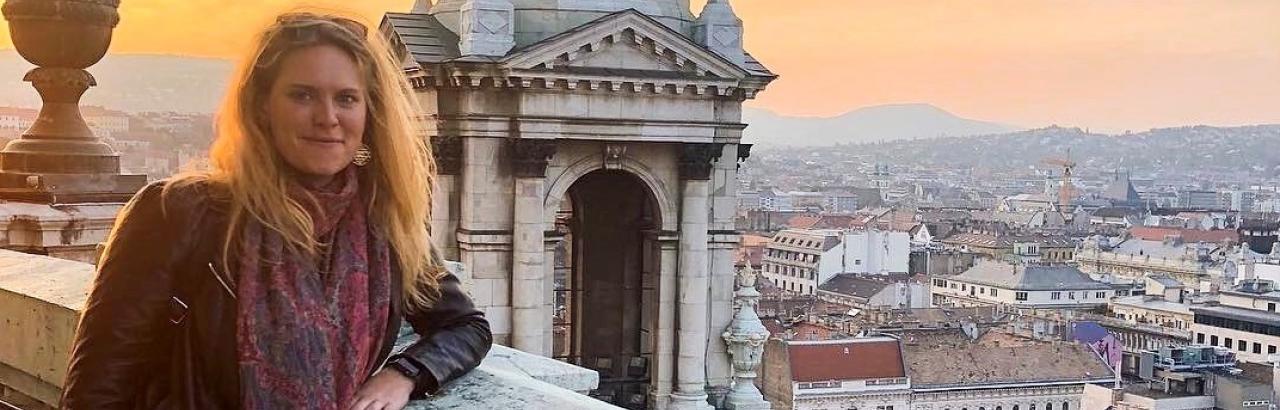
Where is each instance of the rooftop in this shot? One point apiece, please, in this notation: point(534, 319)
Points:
point(974, 365)
point(861, 286)
point(1231, 312)
point(849, 359)
point(1153, 303)
point(1028, 277)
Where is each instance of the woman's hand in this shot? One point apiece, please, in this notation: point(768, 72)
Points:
point(387, 390)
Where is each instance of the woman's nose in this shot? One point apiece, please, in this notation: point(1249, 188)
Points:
point(327, 114)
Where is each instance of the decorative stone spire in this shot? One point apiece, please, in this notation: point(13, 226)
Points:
point(720, 30)
point(421, 7)
point(487, 27)
point(745, 338)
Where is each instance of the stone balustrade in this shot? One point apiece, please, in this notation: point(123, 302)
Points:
point(40, 303)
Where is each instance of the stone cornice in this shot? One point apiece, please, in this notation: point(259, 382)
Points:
point(487, 78)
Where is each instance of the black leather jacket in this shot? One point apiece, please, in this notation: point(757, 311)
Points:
point(158, 330)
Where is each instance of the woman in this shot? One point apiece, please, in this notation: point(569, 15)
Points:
point(280, 277)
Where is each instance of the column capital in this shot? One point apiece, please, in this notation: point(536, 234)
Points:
point(696, 158)
point(529, 157)
point(447, 151)
point(744, 151)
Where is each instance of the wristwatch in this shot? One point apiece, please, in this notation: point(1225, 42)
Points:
point(406, 367)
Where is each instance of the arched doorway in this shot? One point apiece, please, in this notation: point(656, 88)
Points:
point(606, 271)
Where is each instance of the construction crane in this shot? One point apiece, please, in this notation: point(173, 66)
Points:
point(1065, 192)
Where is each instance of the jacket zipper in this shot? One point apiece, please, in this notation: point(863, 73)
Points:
point(222, 282)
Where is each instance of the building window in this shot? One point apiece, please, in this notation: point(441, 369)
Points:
point(1071, 295)
point(964, 287)
point(1101, 295)
point(1022, 296)
point(1066, 406)
point(953, 286)
point(1200, 338)
point(1048, 406)
point(1054, 296)
point(993, 292)
point(1227, 342)
point(1271, 307)
point(1213, 340)
point(982, 291)
point(1257, 348)
point(857, 262)
point(1242, 346)
point(1271, 349)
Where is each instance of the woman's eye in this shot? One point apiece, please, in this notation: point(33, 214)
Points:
point(348, 99)
point(300, 95)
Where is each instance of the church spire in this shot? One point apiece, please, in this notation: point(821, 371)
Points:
point(720, 30)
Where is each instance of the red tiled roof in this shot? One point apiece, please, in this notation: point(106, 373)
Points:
point(1188, 235)
point(802, 221)
point(845, 360)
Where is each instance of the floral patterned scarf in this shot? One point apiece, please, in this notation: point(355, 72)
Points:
point(308, 330)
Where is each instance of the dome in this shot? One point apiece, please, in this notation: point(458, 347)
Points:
point(538, 19)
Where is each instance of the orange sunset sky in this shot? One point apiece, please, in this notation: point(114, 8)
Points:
point(1106, 64)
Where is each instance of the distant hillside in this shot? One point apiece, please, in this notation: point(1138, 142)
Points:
point(869, 124)
point(132, 83)
point(1246, 149)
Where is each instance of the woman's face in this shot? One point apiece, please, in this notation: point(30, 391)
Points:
point(316, 111)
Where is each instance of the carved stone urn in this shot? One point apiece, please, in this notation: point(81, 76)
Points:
point(59, 155)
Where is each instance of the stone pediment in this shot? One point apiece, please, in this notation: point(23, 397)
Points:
point(625, 42)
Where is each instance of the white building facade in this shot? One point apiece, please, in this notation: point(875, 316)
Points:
point(587, 156)
point(799, 260)
point(1020, 286)
point(1245, 320)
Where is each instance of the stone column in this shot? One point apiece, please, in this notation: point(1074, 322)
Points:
point(551, 240)
point(528, 275)
point(665, 349)
point(447, 151)
point(691, 372)
point(485, 230)
point(723, 244)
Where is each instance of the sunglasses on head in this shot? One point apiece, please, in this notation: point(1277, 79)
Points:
point(308, 19)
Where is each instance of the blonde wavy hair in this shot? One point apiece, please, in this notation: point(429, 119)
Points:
point(244, 160)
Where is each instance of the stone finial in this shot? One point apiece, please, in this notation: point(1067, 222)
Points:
point(745, 339)
point(720, 30)
point(487, 27)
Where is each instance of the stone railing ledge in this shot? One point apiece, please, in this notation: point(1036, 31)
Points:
point(507, 380)
point(41, 299)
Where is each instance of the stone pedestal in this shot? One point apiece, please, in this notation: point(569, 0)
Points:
point(61, 186)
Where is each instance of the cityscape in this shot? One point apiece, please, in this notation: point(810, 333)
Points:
point(640, 234)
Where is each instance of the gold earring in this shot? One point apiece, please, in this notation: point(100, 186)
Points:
point(363, 156)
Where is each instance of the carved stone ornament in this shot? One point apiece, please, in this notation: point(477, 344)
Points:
point(529, 157)
point(696, 159)
point(447, 151)
point(613, 154)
